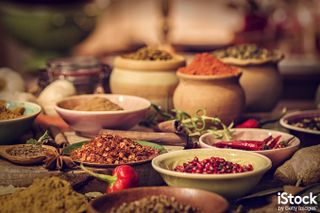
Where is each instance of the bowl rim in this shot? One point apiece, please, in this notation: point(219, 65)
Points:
point(125, 111)
point(210, 176)
point(33, 105)
point(223, 200)
point(284, 121)
point(293, 145)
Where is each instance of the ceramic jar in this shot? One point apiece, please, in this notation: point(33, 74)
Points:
point(262, 85)
point(261, 81)
point(220, 96)
point(153, 80)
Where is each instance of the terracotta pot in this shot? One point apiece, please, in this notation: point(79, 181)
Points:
point(153, 80)
point(220, 96)
point(261, 81)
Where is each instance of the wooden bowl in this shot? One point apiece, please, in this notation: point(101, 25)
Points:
point(207, 202)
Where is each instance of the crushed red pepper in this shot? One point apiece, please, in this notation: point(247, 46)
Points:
point(113, 149)
point(206, 64)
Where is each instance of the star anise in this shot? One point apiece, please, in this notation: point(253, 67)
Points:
point(57, 161)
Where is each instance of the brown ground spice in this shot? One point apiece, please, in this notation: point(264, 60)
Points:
point(206, 64)
point(6, 114)
point(50, 195)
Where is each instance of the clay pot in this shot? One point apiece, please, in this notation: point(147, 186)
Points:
point(153, 80)
point(220, 96)
point(261, 81)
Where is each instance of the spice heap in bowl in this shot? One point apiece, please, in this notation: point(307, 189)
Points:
point(214, 87)
point(230, 173)
point(148, 67)
point(7, 114)
point(113, 150)
point(88, 114)
point(16, 117)
point(261, 79)
point(158, 200)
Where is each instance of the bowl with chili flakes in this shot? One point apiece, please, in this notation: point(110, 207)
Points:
point(107, 150)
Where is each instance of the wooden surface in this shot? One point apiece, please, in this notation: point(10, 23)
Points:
point(16, 175)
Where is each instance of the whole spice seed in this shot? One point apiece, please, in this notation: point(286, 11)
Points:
point(112, 149)
point(50, 195)
point(213, 165)
point(245, 51)
point(27, 151)
point(149, 54)
point(155, 204)
point(206, 64)
point(312, 123)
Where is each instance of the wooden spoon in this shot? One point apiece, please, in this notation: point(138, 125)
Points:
point(4, 153)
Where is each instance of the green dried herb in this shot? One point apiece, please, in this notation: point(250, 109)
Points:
point(41, 140)
point(149, 54)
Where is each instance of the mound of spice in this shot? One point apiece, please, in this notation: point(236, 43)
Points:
point(149, 54)
point(27, 151)
point(206, 64)
point(6, 114)
point(112, 149)
point(97, 104)
point(51, 195)
point(155, 204)
point(245, 51)
point(213, 165)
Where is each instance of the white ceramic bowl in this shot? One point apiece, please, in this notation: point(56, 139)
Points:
point(277, 156)
point(227, 185)
point(91, 122)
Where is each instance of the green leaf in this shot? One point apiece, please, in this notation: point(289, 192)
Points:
point(31, 141)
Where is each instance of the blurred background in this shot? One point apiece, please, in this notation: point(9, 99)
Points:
point(33, 31)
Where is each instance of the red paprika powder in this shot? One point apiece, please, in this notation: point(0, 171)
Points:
point(206, 64)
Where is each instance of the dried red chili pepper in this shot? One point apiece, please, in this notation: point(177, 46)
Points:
point(271, 144)
point(123, 177)
point(250, 123)
point(241, 144)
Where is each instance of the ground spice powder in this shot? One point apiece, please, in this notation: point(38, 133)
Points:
point(206, 64)
point(50, 195)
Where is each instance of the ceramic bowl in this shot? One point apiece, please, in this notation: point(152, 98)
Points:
point(227, 185)
point(308, 137)
point(277, 156)
point(91, 122)
point(13, 129)
point(205, 201)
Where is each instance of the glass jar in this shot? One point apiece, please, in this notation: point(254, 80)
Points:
point(86, 73)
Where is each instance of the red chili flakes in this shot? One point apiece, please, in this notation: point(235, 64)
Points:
point(112, 149)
